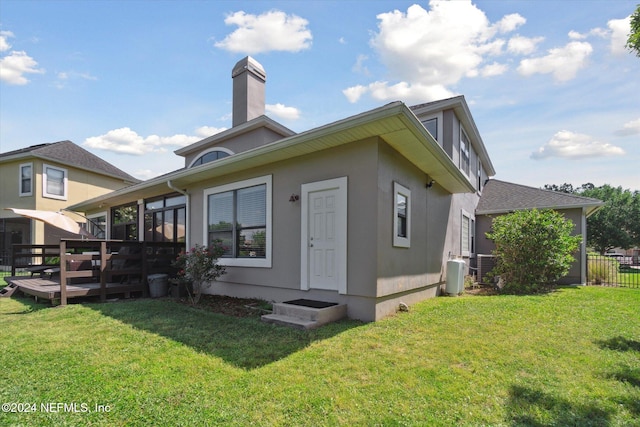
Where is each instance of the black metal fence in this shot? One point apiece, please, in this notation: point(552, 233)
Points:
point(623, 271)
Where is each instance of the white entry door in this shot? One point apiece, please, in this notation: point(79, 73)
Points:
point(324, 232)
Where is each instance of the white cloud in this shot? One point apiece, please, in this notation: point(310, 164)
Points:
point(63, 77)
point(494, 69)
point(145, 174)
point(270, 31)
point(574, 35)
point(630, 128)
point(571, 145)
point(521, 45)
point(4, 44)
point(510, 22)
point(127, 141)
point(563, 62)
point(620, 29)
point(354, 93)
point(429, 51)
point(359, 66)
point(407, 92)
point(207, 131)
point(14, 66)
point(283, 112)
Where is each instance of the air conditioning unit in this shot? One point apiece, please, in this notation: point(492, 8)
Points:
point(485, 265)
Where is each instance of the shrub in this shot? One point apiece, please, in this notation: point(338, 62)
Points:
point(198, 267)
point(534, 248)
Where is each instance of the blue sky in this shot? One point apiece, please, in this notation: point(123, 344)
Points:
point(553, 91)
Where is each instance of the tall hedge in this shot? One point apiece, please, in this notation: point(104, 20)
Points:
point(534, 248)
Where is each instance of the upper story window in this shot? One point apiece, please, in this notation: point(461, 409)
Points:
point(54, 182)
point(432, 127)
point(26, 179)
point(465, 145)
point(211, 155)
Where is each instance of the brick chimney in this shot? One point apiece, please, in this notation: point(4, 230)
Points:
point(248, 90)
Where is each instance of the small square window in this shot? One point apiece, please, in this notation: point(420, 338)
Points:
point(401, 216)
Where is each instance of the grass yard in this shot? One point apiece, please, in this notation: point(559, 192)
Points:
point(568, 358)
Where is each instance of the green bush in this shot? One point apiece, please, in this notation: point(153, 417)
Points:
point(534, 248)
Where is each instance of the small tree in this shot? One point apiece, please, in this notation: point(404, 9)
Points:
point(633, 41)
point(198, 268)
point(534, 248)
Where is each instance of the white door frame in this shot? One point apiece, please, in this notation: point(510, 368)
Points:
point(339, 184)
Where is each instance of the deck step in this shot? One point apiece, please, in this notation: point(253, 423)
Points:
point(305, 314)
point(8, 290)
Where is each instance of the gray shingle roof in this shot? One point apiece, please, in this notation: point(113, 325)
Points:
point(500, 197)
point(68, 153)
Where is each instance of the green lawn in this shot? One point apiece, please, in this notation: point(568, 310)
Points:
point(568, 358)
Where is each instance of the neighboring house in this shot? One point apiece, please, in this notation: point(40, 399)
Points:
point(50, 177)
point(500, 198)
point(363, 211)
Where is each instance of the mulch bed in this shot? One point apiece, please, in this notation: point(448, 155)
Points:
point(230, 306)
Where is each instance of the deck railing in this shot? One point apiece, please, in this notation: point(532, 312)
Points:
point(100, 261)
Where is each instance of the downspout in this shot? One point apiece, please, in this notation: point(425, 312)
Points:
point(187, 214)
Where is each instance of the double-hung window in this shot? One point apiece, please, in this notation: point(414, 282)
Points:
point(26, 179)
point(239, 215)
point(54, 182)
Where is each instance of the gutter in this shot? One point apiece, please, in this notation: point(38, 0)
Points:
point(187, 238)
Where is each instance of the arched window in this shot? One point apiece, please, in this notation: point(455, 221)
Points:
point(211, 155)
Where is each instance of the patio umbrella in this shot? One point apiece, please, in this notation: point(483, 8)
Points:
point(56, 219)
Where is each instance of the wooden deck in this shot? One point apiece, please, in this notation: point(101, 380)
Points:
point(46, 288)
point(82, 268)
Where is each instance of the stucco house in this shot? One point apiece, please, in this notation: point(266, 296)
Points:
point(50, 177)
point(500, 198)
point(364, 211)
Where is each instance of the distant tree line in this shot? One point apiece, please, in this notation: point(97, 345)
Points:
point(614, 225)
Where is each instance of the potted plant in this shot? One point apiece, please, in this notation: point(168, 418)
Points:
point(198, 267)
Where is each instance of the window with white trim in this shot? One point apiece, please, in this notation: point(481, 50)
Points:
point(54, 182)
point(465, 145)
point(239, 214)
point(26, 179)
point(467, 234)
point(401, 216)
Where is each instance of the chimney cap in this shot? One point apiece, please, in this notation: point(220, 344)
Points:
point(251, 65)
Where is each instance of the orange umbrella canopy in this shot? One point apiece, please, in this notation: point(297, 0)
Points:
point(55, 219)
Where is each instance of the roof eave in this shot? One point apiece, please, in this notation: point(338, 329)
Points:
point(394, 123)
point(590, 208)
